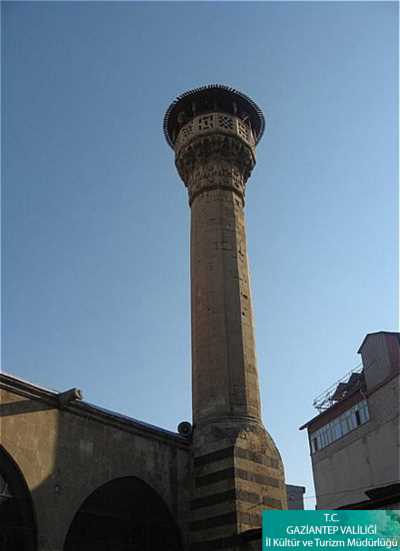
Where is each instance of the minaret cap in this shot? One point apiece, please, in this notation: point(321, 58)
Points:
point(214, 97)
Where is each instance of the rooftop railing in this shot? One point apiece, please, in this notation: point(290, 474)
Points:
point(339, 390)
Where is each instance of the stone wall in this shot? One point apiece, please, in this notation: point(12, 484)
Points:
point(66, 454)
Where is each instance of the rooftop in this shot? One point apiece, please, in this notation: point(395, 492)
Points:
point(80, 407)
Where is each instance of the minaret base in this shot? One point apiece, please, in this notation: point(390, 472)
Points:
point(238, 473)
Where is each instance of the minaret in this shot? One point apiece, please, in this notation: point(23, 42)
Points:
point(237, 469)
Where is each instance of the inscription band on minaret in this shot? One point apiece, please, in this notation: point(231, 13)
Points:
point(238, 471)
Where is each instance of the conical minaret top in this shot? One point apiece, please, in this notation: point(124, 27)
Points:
point(213, 131)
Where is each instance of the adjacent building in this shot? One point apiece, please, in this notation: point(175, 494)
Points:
point(354, 440)
point(295, 496)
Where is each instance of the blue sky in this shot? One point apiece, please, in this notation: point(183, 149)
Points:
point(95, 219)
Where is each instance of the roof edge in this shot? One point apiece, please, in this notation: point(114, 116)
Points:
point(80, 407)
point(393, 333)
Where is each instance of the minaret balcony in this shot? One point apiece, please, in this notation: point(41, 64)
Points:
point(211, 123)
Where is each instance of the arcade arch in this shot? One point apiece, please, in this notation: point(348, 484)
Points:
point(123, 514)
point(18, 526)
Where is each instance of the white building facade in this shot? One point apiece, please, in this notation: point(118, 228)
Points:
point(354, 441)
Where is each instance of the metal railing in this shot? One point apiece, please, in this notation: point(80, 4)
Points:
point(326, 399)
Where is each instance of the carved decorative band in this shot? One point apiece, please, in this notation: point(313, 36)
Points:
point(215, 161)
point(214, 122)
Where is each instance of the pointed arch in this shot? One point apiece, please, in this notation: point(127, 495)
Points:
point(124, 513)
point(18, 524)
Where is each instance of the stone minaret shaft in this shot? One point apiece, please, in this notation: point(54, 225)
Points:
point(237, 469)
point(225, 381)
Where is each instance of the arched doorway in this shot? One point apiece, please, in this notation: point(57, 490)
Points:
point(124, 514)
point(17, 522)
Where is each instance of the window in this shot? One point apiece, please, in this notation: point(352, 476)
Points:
point(339, 427)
